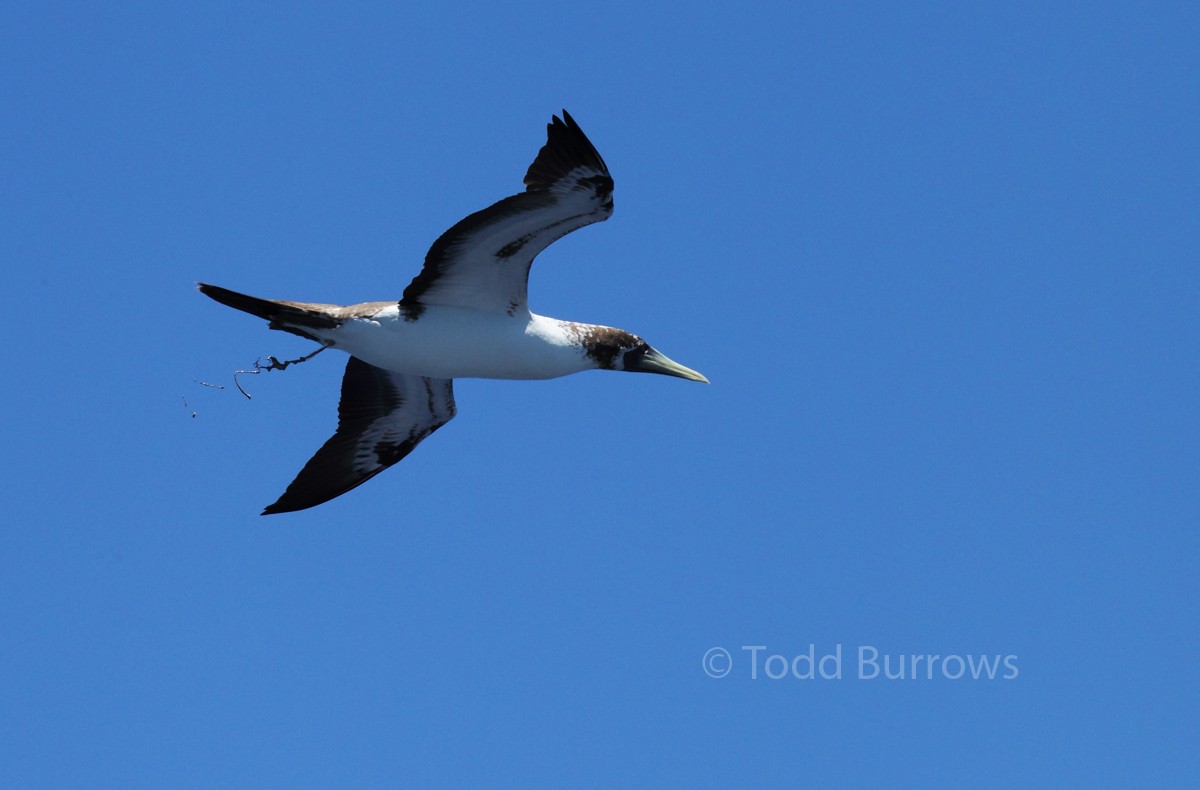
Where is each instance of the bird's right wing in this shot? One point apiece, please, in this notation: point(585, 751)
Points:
point(483, 261)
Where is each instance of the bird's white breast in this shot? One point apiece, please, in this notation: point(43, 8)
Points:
point(455, 342)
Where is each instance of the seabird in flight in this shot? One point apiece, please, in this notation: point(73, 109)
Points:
point(465, 315)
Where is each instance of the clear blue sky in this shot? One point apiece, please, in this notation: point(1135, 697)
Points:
point(938, 259)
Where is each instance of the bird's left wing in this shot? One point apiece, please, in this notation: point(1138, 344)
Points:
point(483, 261)
point(382, 416)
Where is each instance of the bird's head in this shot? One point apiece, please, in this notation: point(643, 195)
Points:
point(616, 349)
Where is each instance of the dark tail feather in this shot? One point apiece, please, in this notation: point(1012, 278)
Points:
point(292, 317)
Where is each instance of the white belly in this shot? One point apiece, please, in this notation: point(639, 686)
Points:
point(451, 342)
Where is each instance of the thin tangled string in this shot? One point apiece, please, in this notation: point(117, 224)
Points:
point(273, 363)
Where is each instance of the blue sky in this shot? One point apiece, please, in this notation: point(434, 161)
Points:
point(939, 261)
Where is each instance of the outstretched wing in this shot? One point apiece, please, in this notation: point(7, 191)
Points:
point(483, 261)
point(382, 416)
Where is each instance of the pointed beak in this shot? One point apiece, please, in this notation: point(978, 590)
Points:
point(654, 362)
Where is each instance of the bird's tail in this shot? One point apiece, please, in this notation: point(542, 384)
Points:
point(299, 318)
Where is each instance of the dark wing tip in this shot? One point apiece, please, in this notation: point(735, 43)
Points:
point(566, 148)
point(292, 502)
point(323, 478)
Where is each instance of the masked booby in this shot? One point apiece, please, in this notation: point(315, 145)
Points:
point(466, 315)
